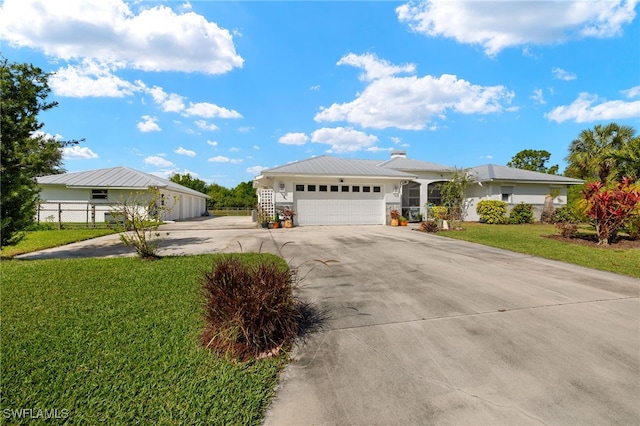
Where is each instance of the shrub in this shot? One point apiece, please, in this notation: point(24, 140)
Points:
point(492, 211)
point(567, 229)
point(564, 214)
point(608, 208)
point(429, 226)
point(439, 212)
point(250, 308)
point(521, 213)
point(632, 225)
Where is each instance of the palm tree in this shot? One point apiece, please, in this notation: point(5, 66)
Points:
point(592, 154)
point(628, 161)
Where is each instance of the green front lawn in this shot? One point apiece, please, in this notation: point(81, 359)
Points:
point(115, 341)
point(528, 239)
point(40, 240)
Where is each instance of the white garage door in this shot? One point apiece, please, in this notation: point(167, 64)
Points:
point(339, 205)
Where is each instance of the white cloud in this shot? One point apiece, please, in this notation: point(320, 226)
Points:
point(209, 110)
point(234, 149)
point(412, 102)
point(396, 140)
point(148, 124)
point(583, 110)
point(158, 161)
point(183, 151)
point(213, 143)
point(315, 88)
point(538, 97)
point(206, 126)
point(373, 67)
point(634, 92)
point(343, 139)
point(223, 159)
point(169, 102)
point(78, 153)
point(256, 147)
point(155, 39)
point(245, 129)
point(256, 170)
point(499, 25)
point(294, 139)
point(378, 149)
point(91, 79)
point(560, 74)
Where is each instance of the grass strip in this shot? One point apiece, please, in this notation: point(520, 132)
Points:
point(40, 240)
point(115, 341)
point(529, 239)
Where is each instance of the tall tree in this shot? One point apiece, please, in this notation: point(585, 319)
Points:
point(534, 160)
point(189, 181)
point(628, 160)
point(26, 152)
point(592, 156)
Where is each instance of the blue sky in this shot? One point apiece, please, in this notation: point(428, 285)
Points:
point(223, 90)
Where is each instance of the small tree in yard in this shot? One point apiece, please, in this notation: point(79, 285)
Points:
point(608, 208)
point(141, 214)
point(452, 193)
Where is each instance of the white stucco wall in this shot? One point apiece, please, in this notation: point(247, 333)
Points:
point(77, 201)
point(529, 193)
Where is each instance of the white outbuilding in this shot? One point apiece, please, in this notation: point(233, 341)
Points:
point(88, 196)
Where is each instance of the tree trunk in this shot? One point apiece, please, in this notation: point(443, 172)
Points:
point(547, 210)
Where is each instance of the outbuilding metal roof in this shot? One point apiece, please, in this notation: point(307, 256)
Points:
point(115, 177)
point(328, 165)
point(490, 172)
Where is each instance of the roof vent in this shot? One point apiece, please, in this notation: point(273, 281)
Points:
point(398, 153)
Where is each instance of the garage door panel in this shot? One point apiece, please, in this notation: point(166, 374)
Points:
point(339, 208)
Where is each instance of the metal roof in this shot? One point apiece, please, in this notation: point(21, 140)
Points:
point(328, 165)
point(115, 177)
point(490, 172)
point(407, 164)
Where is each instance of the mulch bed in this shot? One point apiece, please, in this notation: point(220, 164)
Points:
point(620, 243)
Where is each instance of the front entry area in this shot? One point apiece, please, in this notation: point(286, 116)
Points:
point(318, 204)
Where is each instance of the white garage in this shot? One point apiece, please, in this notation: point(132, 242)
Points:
point(326, 204)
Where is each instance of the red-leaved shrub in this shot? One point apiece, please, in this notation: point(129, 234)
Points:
point(250, 308)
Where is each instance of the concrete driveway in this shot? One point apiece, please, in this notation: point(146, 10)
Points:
point(427, 330)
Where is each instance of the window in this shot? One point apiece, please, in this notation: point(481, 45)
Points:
point(355, 189)
point(323, 188)
point(311, 188)
point(334, 188)
point(99, 194)
point(345, 188)
point(507, 192)
point(299, 187)
point(376, 189)
point(366, 189)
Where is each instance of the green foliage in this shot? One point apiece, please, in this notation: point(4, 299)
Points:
point(628, 160)
point(595, 154)
point(189, 181)
point(250, 309)
point(492, 211)
point(521, 213)
point(533, 160)
point(244, 195)
point(564, 214)
point(439, 212)
point(452, 195)
point(141, 214)
point(632, 224)
point(115, 341)
point(25, 154)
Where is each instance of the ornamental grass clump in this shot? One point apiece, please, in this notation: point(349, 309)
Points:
point(250, 309)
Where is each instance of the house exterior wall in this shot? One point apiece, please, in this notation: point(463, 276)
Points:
point(76, 202)
point(530, 193)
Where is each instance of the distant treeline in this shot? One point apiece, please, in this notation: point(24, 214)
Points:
point(243, 195)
